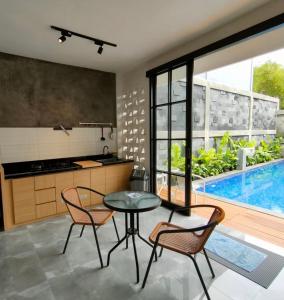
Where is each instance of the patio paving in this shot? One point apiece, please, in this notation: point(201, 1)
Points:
point(32, 266)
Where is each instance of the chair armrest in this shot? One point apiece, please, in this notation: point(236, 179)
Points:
point(188, 207)
point(199, 228)
point(89, 189)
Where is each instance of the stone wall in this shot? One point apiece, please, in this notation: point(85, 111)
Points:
point(35, 93)
point(216, 109)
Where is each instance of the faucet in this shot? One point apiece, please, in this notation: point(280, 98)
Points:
point(64, 129)
point(105, 148)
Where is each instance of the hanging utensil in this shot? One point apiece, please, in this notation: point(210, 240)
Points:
point(103, 138)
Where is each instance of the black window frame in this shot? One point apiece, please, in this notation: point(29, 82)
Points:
point(188, 60)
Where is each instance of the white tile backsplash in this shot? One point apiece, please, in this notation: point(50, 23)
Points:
point(24, 144)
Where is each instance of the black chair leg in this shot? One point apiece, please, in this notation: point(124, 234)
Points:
point(209, 264)
point(200, 277)
point(149, 266)
point(98, 246)
point(82, 230)
point(161, 251)
point(68, 237)
point(114, 223)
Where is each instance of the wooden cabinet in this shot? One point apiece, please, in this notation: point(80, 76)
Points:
point(44, 196)
point(117, 177)
point(23, 199)
point(62, 181)
point(45, 210)
point(98, 183)
point(32, 198)
point(83, 178)
point(44, 181)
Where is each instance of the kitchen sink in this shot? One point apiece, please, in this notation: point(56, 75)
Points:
point(110, 160)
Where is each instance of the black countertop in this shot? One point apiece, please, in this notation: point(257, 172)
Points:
point(40, 167)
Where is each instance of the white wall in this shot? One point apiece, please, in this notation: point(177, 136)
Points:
point(24, 144)
point(136, 79)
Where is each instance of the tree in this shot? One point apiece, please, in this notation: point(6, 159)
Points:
point(268, 79)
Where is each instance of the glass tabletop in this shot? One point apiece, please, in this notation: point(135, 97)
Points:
point(128, 201)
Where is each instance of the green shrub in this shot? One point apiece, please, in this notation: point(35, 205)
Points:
point(225, 157)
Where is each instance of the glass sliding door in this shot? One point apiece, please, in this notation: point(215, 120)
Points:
point(171, 134)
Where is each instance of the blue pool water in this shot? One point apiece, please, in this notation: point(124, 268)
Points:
point(262, 187)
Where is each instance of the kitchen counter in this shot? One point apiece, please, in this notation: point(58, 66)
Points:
point(40, 167)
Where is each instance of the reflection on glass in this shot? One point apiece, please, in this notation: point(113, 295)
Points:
point(179, 84)
point(178, 157)
point(162, 122)
point(178, 190)
point(162, 89)
point(162, 185)
point(162, 156)
point(178, 120)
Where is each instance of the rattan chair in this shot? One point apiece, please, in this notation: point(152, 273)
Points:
point(186, 241)
point(84, 217)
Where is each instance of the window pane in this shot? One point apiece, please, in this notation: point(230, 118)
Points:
point(162, 122)
point(162, 185)
point(178, 157)
point(178, 190)
point(178, 120)
point(162, 156)
point(162, 89)
point(179, 84)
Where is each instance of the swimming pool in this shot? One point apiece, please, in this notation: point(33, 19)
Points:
point(261, 187)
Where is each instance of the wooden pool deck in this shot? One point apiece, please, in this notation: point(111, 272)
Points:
point(261, 225)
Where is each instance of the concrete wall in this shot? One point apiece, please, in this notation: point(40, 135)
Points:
point(280, 123)
point(135, 80)
point(216, 109)
point(39, 94)
point(35, 93)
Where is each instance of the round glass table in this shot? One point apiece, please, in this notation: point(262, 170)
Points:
point(131, 203)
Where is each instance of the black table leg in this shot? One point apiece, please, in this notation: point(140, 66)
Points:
point(131, 230)
point(126, 229)
point(115, 246)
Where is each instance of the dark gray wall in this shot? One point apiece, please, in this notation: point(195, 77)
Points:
point(35, 93)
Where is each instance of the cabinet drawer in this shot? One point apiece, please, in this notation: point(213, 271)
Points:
point(45, 210)
point(44, 196)
point(23, 199)
point(44, 182)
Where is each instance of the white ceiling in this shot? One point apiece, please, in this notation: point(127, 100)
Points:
point(143, 29)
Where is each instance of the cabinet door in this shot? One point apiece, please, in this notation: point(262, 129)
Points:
point(83, 178)
point(44, 181)
point(98, 183)
point(44, 196)
point(117, 177)
point(24, 199)
point(45, 210)
point(62, 181)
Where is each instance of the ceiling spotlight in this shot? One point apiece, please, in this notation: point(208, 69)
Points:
point(100, 50)
point(62, 39)
point(64, 34)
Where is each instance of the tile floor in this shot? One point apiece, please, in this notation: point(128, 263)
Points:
point(32, 266)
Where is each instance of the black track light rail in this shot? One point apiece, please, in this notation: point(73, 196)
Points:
point(98, 42)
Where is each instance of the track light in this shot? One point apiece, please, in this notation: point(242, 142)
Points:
point(68, 33)
point(100, 50)
point(64, 34)
point(62, 39)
